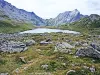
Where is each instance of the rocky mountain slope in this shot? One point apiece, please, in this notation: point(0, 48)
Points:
point(66, 17)
point(92, 21)
point(8, 11)
point(88, 24)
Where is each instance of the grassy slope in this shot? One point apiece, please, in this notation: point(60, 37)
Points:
point(85, 25)
point(11, 27)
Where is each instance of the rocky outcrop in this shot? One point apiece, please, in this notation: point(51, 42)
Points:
point(15, 42)
point(91, 51)
point(11, 46)
point(63, 47)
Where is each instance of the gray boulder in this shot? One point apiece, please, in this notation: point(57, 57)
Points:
point(63, 47)
point(70, 71)
point(92, 69)
point(4, 74)
point(89, 52)
point(30, 42)
point(95, 46)
point(45, 42)
point(11, 46)
point(22, 59)
point(44, 66)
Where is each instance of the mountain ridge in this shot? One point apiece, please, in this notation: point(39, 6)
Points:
point(19, 15)
point(23, 16)
point(89, 24)
point(66, 17)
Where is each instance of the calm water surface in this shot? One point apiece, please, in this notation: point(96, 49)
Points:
point(47, 30)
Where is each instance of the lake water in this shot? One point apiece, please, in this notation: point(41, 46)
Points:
point(47, 30)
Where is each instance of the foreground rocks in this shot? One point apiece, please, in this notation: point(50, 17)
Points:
point(30, 42)
point(70, 72)
point(63, 47)
point(46, 42)
point(91, 51)
point(15, 42)
point(4, 74)
point(11, 46)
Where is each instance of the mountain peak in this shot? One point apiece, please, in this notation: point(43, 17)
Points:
point(67, 17)
point(76, 10)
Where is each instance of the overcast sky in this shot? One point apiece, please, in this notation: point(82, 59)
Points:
point(51, 8)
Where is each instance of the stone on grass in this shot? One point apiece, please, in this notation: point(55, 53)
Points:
point(30, 42)
point(70, 71)
point(63, 47)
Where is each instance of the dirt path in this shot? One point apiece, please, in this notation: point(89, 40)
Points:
point(24, 67)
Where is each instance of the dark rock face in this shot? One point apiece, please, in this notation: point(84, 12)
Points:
point(91, 51)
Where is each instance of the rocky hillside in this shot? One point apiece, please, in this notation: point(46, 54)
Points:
point(90, 23)
point(66, 17)
point(8, 11)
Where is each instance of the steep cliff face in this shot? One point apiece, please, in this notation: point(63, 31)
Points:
point(66, 17)
point(19, 15)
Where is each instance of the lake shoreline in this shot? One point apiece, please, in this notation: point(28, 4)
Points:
point(49, 30)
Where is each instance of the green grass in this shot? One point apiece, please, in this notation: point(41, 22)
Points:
point(11, 27)
point(38, 55)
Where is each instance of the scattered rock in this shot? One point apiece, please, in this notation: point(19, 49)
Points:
point(63, 47)
point(45, 67)
point(12, 46)
point(73, 65)
point(45, 42)
point(75, 57)
point(85, 67)
point(92, 69)
point(70, 71)
point(38, 50)
point(64, 64)
point(30, 42)
point(89, 52)
point(85, 44)
point(48, 40)
point(95, 46)
point(23, 59)
point(4, 74)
